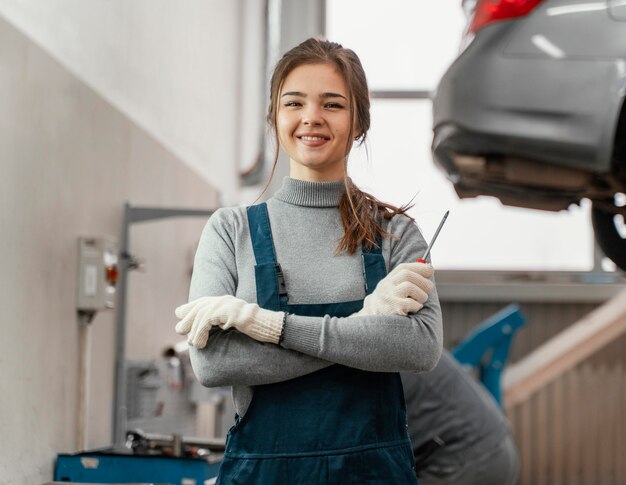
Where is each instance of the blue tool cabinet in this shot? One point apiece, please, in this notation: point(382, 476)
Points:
point(103, 467)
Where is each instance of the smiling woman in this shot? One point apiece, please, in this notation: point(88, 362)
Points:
point(335, 108)
point(313, 122)
point(291, 304)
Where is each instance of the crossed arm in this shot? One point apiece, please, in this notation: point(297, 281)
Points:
point(399, 328)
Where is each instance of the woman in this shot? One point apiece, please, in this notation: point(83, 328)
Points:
point(317, 394)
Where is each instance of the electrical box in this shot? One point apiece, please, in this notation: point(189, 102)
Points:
point(97, 273)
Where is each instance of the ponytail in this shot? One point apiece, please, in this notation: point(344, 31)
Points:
point(361, 217)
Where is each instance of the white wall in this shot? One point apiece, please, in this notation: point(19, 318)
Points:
point(172, 67)
point(69, 161)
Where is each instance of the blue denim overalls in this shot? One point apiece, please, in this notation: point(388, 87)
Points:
point(338, 425)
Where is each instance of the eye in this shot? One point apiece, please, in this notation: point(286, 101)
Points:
point(333, 105)
point(292, 104)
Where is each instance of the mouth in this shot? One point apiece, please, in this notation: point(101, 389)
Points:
point(313, 137)
point(313, 140)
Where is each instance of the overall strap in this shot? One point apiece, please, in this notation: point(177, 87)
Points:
point(270, 283)
point(374, 268)
point(261, 234)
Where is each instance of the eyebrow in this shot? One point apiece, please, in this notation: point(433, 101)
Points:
point(323, 95)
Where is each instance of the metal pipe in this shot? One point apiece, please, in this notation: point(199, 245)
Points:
point(84, 368)
point(119, 397)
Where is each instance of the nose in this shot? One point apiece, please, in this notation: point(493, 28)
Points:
point(312, 116)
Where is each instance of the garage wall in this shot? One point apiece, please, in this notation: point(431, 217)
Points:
point(69, 160)
point(171, 67)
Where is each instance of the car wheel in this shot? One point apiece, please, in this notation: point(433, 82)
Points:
point(610, 233)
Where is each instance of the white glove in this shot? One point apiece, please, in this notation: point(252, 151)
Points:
point(227, 311)
point(404, 290)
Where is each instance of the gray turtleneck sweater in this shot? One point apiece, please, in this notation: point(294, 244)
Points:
point(306, 227)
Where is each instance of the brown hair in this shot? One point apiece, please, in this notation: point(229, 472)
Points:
point(359, 210)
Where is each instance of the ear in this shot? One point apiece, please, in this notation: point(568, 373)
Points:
point(356, 128)
point(355, 124)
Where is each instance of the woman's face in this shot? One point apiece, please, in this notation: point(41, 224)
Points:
point(313, 122)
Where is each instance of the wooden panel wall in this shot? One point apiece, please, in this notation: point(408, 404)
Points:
point(573, 432)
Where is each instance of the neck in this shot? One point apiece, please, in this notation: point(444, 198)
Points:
point(307, 174)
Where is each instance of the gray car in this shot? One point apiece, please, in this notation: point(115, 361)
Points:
point(532, 110)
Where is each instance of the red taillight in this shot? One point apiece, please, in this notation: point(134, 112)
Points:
point(489, 11)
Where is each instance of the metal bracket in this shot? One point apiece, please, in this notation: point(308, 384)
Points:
point(132, 215)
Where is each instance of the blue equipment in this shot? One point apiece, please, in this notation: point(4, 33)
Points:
point(103, 467)
point(146, 458)
point(487, 347)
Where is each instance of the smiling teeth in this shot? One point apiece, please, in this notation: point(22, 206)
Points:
point(312, 138)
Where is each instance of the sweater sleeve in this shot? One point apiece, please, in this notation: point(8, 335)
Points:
point(230, 357)
point(380, 343)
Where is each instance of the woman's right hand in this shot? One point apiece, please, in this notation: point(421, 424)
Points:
point(199, 316)
point(404, 290)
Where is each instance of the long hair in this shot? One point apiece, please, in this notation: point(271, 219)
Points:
point(360, 212)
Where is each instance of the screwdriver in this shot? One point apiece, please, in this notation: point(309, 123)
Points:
point(432, 241)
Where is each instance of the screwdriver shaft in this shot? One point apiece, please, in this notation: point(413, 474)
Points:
point(432, 241)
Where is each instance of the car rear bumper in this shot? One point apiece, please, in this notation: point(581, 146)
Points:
point(560, 111)
point(515, 181)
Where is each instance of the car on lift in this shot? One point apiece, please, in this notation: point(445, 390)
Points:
point(532, 109)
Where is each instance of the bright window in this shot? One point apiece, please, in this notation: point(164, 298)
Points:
point(407, 45)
